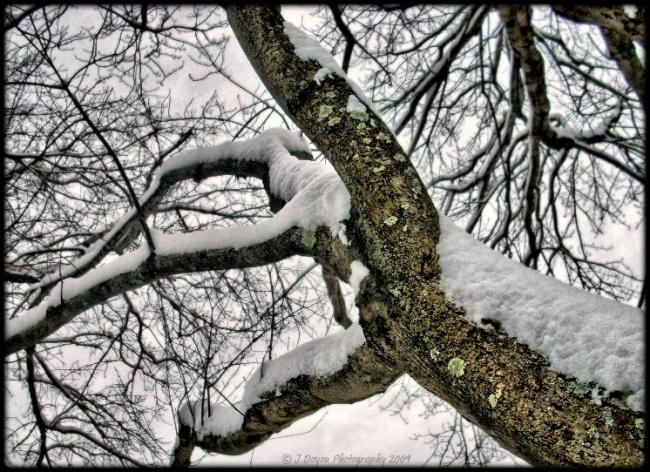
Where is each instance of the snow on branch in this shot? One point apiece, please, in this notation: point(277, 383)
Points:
point(271, 148)
point(314, 194)
point(582, 335)
point(317, 358)
point(72, 296)
point(307, 48)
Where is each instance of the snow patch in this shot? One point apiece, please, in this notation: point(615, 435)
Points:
point(321, 74)
point(582, 335)
point(342, 235)
point(72, 287)
point(223, 419)
point(355, 106)
point(358, 273)
point(316, 358)
point(307, 48)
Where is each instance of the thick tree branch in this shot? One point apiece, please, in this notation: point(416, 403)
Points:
point(364, 375)
point(197, 164)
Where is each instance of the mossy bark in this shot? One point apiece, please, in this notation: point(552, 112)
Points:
point(405, 314)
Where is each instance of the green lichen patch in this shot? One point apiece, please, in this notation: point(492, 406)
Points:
point(607, 417)
point(334, 120)
point(367, 140)
point(399, 157)
point(381, 136)
point(324, 111)
point(330, 94)
point(359, 115)
point(639, 424)
point(390, 221)
point(592, 433)
point(397, 181)
point(361, 127)
point(378, 170)
point(579, 389)
point(456, 367)
point(493, 399)
point(308, 238)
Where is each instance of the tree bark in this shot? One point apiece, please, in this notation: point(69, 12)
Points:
point(394, 226)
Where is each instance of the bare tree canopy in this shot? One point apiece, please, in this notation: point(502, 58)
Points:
point(181, 230)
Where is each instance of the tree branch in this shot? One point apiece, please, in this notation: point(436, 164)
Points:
point(362, 376)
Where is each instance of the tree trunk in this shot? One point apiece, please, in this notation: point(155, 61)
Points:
point(404, 313)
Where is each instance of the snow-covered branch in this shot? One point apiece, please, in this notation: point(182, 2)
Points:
point(338, 368)
point(175, 254)
point(596, 340)
point(267, 156)
point(314, 194)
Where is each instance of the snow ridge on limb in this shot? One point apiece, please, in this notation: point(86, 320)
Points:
point(307, 48)
point(338, 368)
point(314, 194)
point(317, 358)
point(582, 335)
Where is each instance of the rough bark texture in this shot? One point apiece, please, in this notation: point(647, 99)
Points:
point(404, 312)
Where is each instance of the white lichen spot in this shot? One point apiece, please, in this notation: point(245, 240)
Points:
point(367, 140)
point(456, 367)
point(378, 170)
point(399, 157)
point(390, 221)
point(405, 228)
point(396, 293)
point(434, 354)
